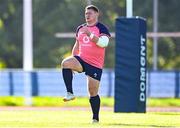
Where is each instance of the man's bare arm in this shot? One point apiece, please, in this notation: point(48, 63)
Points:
point(101, 41)
point(75, 49)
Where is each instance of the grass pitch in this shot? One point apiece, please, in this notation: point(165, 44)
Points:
point(82, 119)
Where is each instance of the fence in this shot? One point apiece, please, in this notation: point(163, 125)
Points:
point(50, 83)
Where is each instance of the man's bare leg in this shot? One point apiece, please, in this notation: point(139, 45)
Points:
point(93, 87)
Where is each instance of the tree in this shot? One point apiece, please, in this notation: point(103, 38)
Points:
point(11, 33)
point(52, 16)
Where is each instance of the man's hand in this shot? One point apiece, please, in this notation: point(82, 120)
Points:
point(85, 31)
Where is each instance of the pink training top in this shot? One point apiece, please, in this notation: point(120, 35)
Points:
point(89, 51)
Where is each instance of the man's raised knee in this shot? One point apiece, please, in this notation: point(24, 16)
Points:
point(64, 64)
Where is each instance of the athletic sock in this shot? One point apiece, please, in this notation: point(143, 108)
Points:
point(95, 106)
point(68, 76)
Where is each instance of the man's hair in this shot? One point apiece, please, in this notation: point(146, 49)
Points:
point(93, 7)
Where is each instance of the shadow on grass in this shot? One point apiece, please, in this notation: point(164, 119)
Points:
point(139, 125)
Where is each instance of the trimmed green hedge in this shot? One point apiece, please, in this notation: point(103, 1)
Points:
point(82, 101)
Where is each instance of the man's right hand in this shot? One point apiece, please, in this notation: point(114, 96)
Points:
point(85, 30)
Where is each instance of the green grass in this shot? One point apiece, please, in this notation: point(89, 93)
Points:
point(52, 101)
point(83, 101)
point(164, 102)
point(82, 119)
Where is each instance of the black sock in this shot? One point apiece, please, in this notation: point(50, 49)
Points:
point(68, 76)
point(95, 106)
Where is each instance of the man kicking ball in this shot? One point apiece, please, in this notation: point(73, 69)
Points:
point(88, 55)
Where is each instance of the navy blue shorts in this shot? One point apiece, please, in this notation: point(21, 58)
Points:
point(90, 70)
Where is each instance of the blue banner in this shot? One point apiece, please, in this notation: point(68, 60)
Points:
point(130, 65)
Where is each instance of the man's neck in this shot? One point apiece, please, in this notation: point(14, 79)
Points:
point(92, 23)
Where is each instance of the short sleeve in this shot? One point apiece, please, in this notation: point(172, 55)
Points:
point(77, 30)
point(103, 30)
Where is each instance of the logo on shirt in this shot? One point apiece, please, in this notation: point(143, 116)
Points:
point(86, 39)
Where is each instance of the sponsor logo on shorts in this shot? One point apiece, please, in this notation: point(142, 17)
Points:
point(95, 74)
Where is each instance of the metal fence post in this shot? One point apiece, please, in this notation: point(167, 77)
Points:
point(109, 83)
point(177, 84)
point(11, 85)
point(35, 88)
